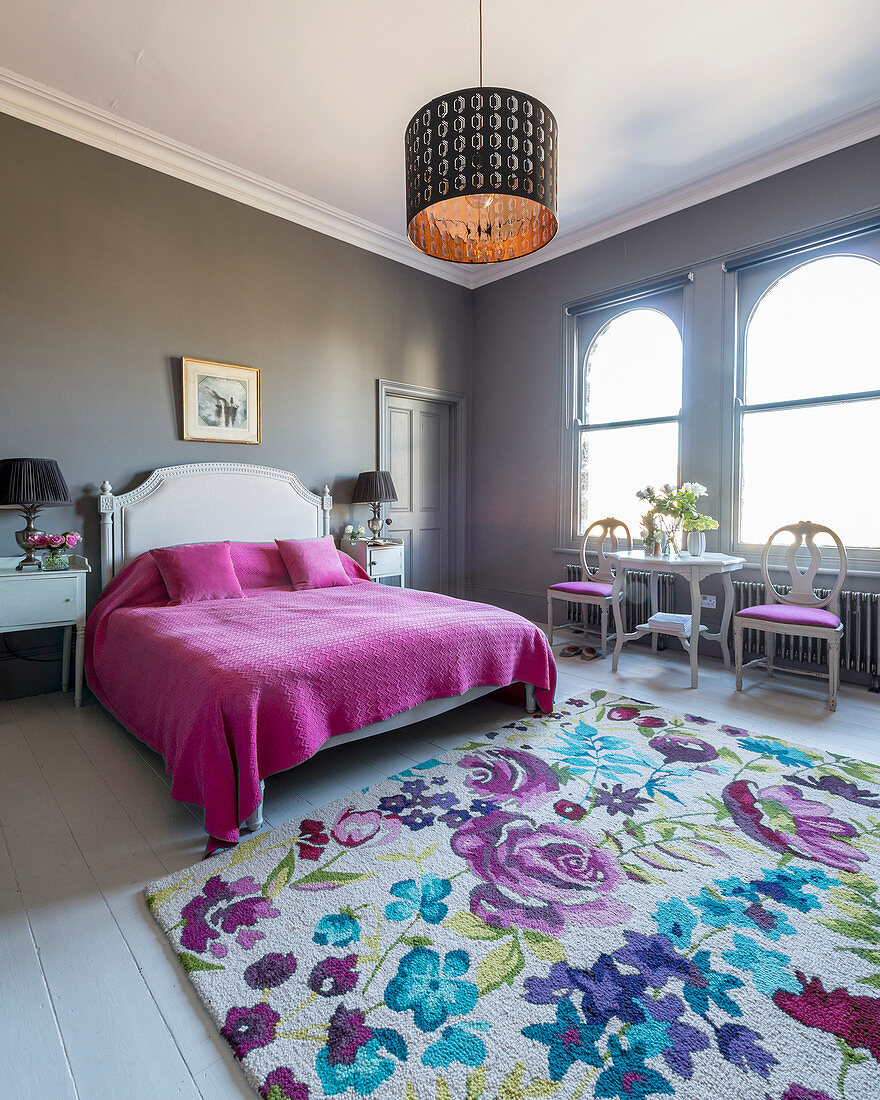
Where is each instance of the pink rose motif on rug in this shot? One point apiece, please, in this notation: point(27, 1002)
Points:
point(609, 901)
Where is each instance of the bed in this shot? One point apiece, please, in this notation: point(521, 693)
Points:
point(231, 691)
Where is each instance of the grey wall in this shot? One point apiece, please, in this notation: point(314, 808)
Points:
point(110, 271)
point(518, 361)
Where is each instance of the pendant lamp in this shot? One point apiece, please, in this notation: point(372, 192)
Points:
point(481, 167)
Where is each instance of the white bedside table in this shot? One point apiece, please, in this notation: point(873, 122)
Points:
point(34, 600)
point(384, 560)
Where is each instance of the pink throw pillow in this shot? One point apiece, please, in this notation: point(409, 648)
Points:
point(198, 571)
point(313, 563)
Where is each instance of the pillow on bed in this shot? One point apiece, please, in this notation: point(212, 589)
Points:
point(200, 571)
point(313, 563)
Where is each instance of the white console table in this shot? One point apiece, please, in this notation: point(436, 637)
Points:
point(693, 570)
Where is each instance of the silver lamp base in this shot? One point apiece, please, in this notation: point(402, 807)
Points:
point(23, 537)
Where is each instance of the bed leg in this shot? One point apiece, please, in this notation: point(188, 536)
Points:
point(255, 821)
point(531, 706)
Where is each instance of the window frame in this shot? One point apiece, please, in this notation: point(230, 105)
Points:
point(578, 337)
point(753, 282)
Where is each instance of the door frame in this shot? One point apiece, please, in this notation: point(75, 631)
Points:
point(458, 419)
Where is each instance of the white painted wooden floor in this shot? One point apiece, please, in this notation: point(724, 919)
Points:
point(93, 1004)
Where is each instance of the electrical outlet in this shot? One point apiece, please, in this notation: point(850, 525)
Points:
point(708, 601)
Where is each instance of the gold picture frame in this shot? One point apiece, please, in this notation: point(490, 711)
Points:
point(221, 402)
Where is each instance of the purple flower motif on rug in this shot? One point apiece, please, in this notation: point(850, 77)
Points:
point(798, 1092)
point(655, 958)
point(651, 721)
point(352, 1057)
point(333, 977)
point(552, 989)
point(510, 774)
point(281, 1085)
point(356, 827)
point(622, 714)
point(569, 810)
point(270, 971)
point(417, 819)
point(685, 1041)
point(617, 800)
point(853, 1018)
point(833, 784)
point(223, 904)
point(347, 1033)
point(608, 992)
point(248, 1028)
point(739, 1046)
point(782, 820)
point(543, 877)
point(683, 748)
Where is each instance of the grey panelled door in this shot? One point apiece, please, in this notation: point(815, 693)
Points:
point(418, 437)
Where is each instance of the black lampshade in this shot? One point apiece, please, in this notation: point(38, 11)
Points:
point(32, 481)
point(481, 176)
point(374, 487)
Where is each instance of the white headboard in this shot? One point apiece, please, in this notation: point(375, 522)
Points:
point(207, 502)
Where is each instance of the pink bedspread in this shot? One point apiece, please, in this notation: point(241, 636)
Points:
point(232, 691)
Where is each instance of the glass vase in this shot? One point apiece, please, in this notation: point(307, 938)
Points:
point(56, 560)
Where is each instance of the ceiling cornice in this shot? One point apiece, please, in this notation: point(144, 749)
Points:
point(61, 113)
point(846, 131)
point(53, 110)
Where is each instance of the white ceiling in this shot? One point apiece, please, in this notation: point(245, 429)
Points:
point(300, 105)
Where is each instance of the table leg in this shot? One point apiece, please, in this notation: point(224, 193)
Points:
point(696, 604)
point(655, 638)
point(80, 658)
point(725, 618)
point(65, 658)
point(616, 592)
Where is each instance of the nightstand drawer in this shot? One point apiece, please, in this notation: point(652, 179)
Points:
point(384, 561)
point(38, 599)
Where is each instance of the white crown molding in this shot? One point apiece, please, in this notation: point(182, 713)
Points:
point(61, 113)
point(846, 131)
point(53, 110)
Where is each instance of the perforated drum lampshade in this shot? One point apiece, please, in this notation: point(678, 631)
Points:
point(481, 176)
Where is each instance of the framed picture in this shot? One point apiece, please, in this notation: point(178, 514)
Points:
point(221, 402)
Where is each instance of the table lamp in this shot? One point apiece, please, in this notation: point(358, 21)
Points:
point(374, 487)
point(30, 484)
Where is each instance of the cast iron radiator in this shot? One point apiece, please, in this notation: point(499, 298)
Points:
point(859, 650)
point(637, 605)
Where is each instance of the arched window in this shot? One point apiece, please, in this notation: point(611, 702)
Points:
point(630, 408)
point(809, 410)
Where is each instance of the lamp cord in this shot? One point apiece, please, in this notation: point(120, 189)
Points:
point(481, 43)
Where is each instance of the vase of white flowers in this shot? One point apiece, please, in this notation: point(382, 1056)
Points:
point(354, 534)
point(671, 510)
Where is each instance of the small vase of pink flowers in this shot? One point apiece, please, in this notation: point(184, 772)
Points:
point(58, 547)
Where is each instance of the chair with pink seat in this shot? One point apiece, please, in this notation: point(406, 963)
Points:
point(801, 611)
point(595, 588)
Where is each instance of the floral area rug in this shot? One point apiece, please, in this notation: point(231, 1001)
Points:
point(608, 901)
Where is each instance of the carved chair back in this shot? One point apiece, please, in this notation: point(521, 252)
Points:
point(802, 591)
point(608, 531)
